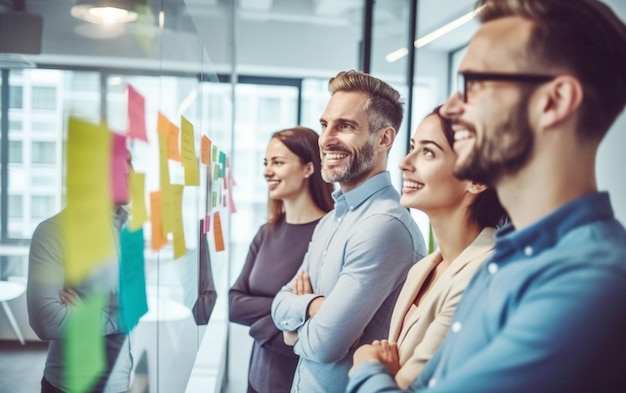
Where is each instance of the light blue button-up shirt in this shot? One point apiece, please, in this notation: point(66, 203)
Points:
point(358, 258)
point(546, 314)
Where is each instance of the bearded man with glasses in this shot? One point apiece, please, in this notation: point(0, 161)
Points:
point(540, 85)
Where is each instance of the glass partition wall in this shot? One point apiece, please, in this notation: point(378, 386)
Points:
point(113, 76)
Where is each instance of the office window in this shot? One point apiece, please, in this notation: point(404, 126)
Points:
point(269, 109)
point(16, 97)
point(43, 179)
point(15, 125)
point(42, 206)
point(43, 127)
point(15, 152)
point(43, 153)
point(15, 206)
point(44, 97)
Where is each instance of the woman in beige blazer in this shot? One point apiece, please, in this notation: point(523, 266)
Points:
point(463, 216)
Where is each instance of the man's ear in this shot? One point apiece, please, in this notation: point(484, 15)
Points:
point(563, 97)
point(387, 136)
point(475, 188)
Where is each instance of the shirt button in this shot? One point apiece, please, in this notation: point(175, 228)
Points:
point(493, 268)
point(456, 327)
point(432, 383)
point(528, 251)
point(351, 208)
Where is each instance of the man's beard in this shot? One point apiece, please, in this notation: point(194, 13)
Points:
point(501, 154)
point(359, 167)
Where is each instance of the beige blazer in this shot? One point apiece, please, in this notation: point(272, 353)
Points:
point(424, 331)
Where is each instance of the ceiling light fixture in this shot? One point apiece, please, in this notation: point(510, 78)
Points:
point(105, 12)
point(432, 36)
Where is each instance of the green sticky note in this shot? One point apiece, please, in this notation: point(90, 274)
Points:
point(84, 345)
point(222, 163)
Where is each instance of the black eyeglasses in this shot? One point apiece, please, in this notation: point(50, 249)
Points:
point(467, 77)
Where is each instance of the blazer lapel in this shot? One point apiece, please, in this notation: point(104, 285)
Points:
point(414, 281)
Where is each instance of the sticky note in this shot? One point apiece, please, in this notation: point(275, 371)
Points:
point(87, 220)
point(178, 230)
point(187, 145)
point(217, 232)
point(158, 236)
point(192, 174)
point(205, 150)
point(136, 115)
point(120, 158)
point(84, 351)
point(132, 296)
point(138, 211)
point(170, 131)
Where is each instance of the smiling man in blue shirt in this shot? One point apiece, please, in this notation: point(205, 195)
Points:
point(361, 251)
point(541, 83)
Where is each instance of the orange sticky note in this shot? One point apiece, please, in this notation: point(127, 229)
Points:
point(163, 124)
point(217, 232)
point(169, 130)
point(158, 236)
point(206, 150)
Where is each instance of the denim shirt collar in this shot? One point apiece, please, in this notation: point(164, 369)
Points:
point(355, 197)
point(546, 232)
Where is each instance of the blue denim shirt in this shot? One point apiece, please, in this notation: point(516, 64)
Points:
point(546, 314)
point(358, 259)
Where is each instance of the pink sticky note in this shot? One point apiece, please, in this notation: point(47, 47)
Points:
point(136, 115)
point(207, 224)
point(119, 169)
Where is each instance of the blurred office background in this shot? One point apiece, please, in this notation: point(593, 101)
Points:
point(239, 70)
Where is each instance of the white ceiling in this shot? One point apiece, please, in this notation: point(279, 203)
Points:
point(269, 32)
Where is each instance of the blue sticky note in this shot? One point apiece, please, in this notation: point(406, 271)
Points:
point(133, 299)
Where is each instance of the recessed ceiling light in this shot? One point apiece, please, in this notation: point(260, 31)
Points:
point(105, 12)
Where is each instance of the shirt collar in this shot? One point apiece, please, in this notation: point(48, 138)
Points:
point(546, 232)
point(355, 197)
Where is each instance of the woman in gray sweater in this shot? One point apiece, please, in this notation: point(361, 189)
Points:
point(298, 198)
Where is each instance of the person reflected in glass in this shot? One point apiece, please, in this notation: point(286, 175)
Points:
point(52, 302)
point(298, 198)
point(464, 216)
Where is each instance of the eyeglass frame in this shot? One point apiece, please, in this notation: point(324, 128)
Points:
point(463, 77)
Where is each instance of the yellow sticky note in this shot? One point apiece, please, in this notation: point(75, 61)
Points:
point(205, 150)
point(178, 231)
point(192, 174)
point(158, 236)
point(187, 144)
point(164, 169)
point(138, 211)
point(87, 220)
